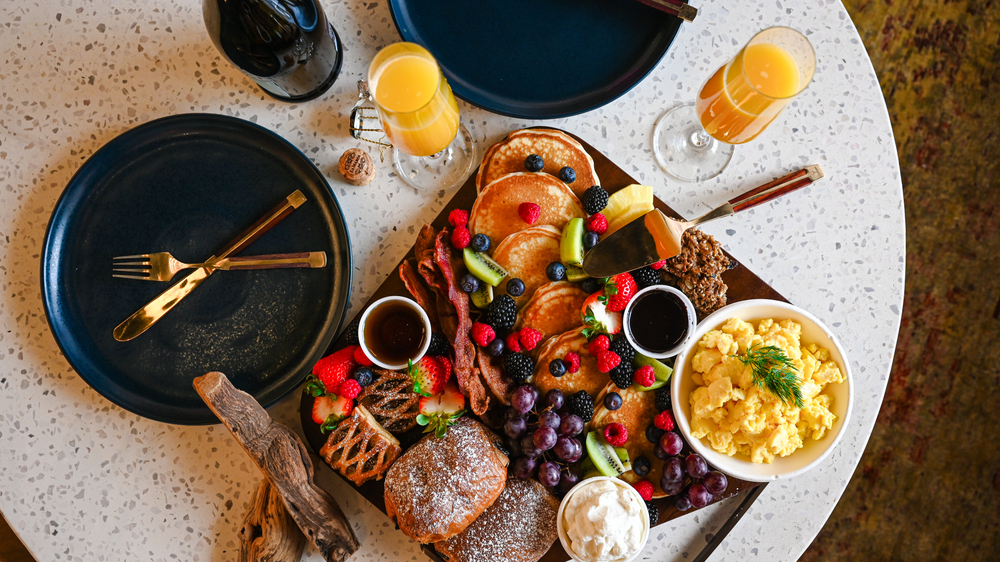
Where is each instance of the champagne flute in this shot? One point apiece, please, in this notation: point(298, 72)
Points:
point(432, 150)
point(696, 141)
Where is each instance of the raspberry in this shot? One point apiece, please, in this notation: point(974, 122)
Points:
point(645, 376)
point(572, 360)
point(597, 223)
point(659, 265)
point(599, 344)
point(664, 421)
point(349, 389)
point(615, 434)
point(529, 212)
point(460, 237)
point(607, 360)
point(513, 345)
point(483, 334)
point(529, 338)
point(458, 217)
point(645, 489)
point(361, 359)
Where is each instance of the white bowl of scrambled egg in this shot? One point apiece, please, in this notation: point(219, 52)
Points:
point(743, 429)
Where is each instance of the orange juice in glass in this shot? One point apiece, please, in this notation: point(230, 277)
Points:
point(419, 115)
point(694, 142)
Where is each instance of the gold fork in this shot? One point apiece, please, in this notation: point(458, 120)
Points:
point(162, 266)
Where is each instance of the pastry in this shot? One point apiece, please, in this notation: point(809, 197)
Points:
point(495, 210)
point(526, 254)
point(360, 448)
point(519, 527)
point(441, 485)
point(391, 401)
point(556, 148)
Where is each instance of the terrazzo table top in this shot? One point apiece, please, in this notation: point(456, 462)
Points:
point(81, 479)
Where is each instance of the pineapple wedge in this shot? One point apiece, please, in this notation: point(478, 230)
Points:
point(626, 198)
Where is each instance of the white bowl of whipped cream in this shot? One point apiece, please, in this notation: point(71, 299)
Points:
point(603, 519)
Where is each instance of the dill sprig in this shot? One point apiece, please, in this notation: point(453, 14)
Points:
point(773, 370)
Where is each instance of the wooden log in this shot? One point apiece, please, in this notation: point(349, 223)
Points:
point(269, 533)
point(284, 460)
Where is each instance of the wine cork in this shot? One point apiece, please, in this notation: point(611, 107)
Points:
point(357, 167)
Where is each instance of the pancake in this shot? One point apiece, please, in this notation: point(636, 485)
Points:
point(526, 254)
point(553, 309)
point(587, 378)
point(495, 210)
point(636, 414)
point(556, 148)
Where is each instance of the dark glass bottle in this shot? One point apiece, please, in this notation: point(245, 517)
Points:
point(286, 46)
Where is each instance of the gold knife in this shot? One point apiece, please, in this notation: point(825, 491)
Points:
point(152, 312)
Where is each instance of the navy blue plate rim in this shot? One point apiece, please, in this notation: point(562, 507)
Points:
point(76, 190)
point(568, 108)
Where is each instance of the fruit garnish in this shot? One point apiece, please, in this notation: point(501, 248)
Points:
point(595, 199)
point(628, 215)
point(575, 274)
point(664, 420)
point(590, 240)
point(502, 313)
point(627, 197)
point(349, 389)
point(458, 217)
point(483, 267)
point(573, 361)
point(361, 359)
point(428, 376)
point(659, 265)
point(603, 455)
point(582, 405)
point(555, 271)
point(599, 344)
point(363, 375)
point(534, 163)
point(645, 277)
point(529, 212)
point(469, 283)
point(460, 237)
point(557, 367)
point(571, 244)
point(641, 466)
point(645, 376)
point(437, 413)
point(480, 243)
point(482, 334)
point(567, 174)
point(515, 287)
point(597, 319)
point(645, 489)
point(483, 296)
point(331, 370)
point(439, 344)
point(529, 338)
point(513, 343)
point(518, 366)
point(773, 371)
point(445, 365)
point(597, 223)
point(612, 401)
point(328, 411)
point(618, 291)
point(661, 372)
point(607, 360)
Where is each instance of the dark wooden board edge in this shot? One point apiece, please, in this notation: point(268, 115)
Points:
point(743, 285)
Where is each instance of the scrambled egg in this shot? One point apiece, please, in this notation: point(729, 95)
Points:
point(738, 417)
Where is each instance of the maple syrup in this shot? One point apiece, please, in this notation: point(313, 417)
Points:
point(395, 332)
point(658, 321)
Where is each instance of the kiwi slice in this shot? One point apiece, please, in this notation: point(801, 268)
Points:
point(483, 267)
point(483, 296)
point(588, 469)
point(623, 456)
point(575, 274)
point(660, 371)
point(603, 455)
point(571, 245)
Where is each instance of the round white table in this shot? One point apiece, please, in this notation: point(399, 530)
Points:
point(82, 479)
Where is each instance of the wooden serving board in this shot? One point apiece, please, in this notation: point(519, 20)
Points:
point(743, 285)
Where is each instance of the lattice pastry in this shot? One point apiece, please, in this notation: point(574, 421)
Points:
point(360, 448)
point(390, 398)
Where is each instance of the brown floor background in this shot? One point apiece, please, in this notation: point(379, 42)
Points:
point(928, 486)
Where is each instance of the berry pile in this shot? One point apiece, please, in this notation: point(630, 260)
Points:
point(543, 436)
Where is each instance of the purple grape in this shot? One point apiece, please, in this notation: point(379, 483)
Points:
point(716, 482)
point(659, 453)
point(672, 488)
point(511, 413)
point(548, 419)
point(567, 449)
point(515, 428)
point(548, 474)
point(671, 443)
point(698, 495)
point(554, 399)
point(696, 466)
point(569, 479)
point(653, 434)
point(571, 425)
point(673, 470)
point(682, 503)
point(522, 399)
point(523, 467)
point(528, 447)
point(534, 392)
point(545, 438)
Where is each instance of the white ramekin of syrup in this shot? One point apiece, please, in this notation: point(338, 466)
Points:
point(394, 331)
point(658, 321)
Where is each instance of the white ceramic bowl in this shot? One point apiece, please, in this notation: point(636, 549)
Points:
point(423, 318)
point(813, 452)
point(564, 537)
point(691, 319)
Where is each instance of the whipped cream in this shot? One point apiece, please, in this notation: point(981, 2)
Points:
point(605, 522)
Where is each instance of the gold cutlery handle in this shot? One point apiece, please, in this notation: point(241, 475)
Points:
point(273, 261)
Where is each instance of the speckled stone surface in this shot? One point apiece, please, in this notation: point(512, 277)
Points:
point(81, 479)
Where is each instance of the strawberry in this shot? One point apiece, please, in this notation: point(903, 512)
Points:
point(608, 360)
point(599, 344)
point(445, 366)
point(529, 212)
point(597, 319)
point(428, 376)
point(439, 412)
point(615, 434)
point(645, 376)
point(458, 217)
point(329, 410)
point(460, 237)
point(513, 345)
point(529, 338)
point(618, 290)
point(597, 223)
point(333, 369)
point(659, 265)
point(349, 389)
point(645, 489)
point(572, 361)
point(361, 358)
point(483, 334)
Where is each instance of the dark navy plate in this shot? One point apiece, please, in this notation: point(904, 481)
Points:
point(538, 59)
point(188, 184)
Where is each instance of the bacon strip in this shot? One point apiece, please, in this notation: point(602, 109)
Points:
point(416, 288)
point(496, 381)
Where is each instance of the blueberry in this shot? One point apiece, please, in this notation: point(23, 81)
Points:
point(534, 163)
point(555, 271)
point(363, 375)
point(515, 287)
point(653, 434)
point(495, 348)
point(470, 283)
point(612, 401)
point(589, 240)
point(590, 285)
point(567, 174)
point(557, 367)
point(641, 466)
point(480, 243)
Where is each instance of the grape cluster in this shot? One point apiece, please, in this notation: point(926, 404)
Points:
point(543, 437)
point(688, 478)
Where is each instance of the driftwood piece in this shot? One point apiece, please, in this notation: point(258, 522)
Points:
point(269, 533)
point(284, 460)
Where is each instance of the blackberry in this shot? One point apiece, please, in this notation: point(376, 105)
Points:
point(438, 346)
point(654, 513)
point(663, 398)
point(502, 313)
point(582, 405)
point(519, 367)
point(351, 333)
point(624, 349)
point(646, 277)
point(595, 199)
point(623, 375)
